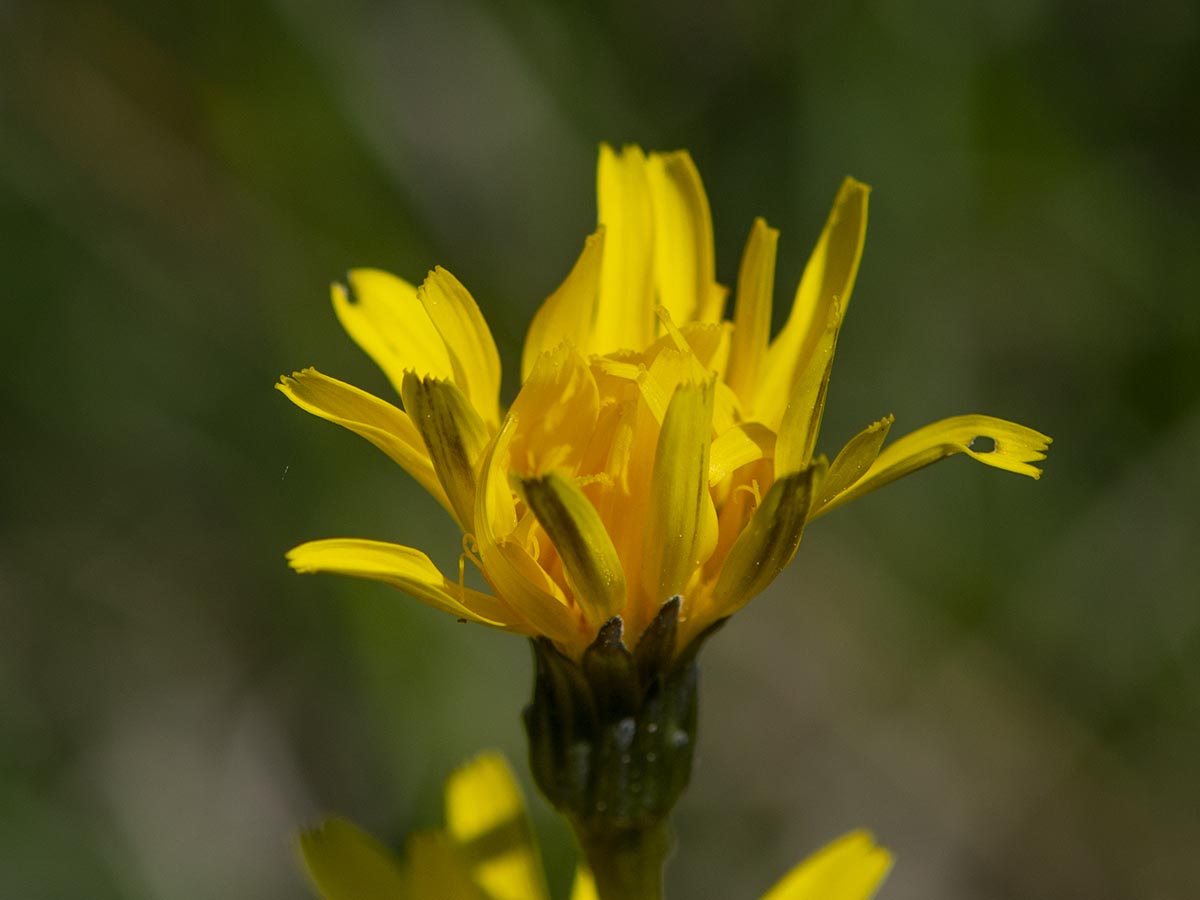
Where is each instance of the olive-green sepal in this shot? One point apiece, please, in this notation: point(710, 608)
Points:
point(611, 738)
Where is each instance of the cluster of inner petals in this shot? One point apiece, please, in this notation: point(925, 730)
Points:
point(655, 449)
point(667, 509)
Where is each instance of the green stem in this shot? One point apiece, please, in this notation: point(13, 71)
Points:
point(627, 864)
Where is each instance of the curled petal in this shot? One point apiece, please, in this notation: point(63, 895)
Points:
point(1014, 448)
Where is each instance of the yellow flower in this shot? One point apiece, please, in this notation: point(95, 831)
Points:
point(654, 449)
point(486, 851)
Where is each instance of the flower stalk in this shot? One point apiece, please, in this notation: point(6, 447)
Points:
point(626, 864)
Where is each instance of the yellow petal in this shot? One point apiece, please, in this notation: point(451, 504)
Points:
point(556, 413)
point(829, 276)
point(670, 369)
point(454, 435)
point(472, 350)
point(853, 460)
point(709, 341)
point(768, 543)
point(346, 863)
point(485, 815)
point(851, 868)
point(738, 446)
point(406, 568)
point(589, 559)
point(584, 886)
point(682, 527)
point(712, 307)
point(694, 352)
point(625, 311)
point(742, 494)
point(385, 426)
point(519, 577)
point(509, 567)
point(439, 870)
point(1015, 449)
point(383, 315)
point(568, 313)
point(802, 418)
point(684, 271)
point(752, 316)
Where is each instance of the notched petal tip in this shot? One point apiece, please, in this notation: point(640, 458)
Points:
point(285, 380)
point(291, 382)
point(1008, 446)
point(301, 562)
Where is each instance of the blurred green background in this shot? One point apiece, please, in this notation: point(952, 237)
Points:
point(1001, 678)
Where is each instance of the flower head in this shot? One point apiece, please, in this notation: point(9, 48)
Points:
point(486, 851)
point(654, 449)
